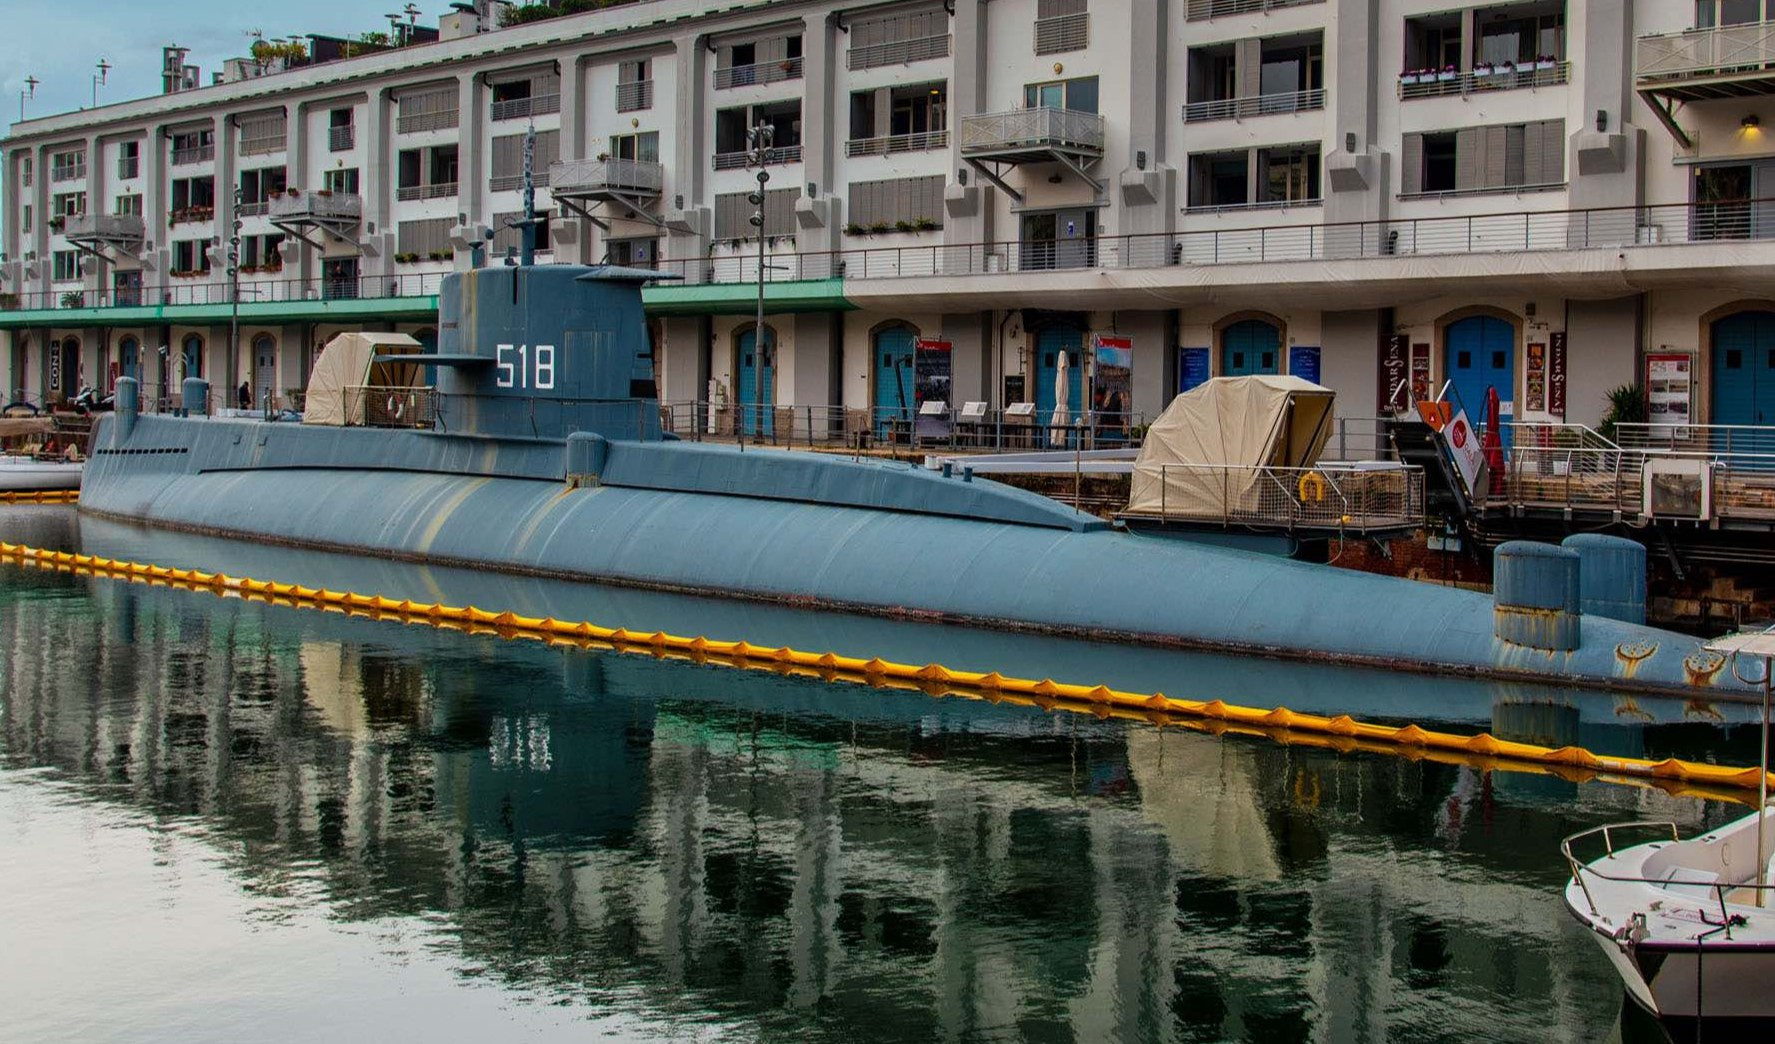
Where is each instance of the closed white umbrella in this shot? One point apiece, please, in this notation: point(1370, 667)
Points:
point(1057, 424)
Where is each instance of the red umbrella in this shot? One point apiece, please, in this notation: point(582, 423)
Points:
point(1494, 441)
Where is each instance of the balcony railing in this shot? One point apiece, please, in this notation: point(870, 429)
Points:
point(1201, 9)
point(1497, 78)
point(318, 205)
point(264, 143)
point(518, 108)
point(211, 289)
point(439, 190)
point(634, 96)
point(68, 171)
point(104, 228)
point(589, 177)
point(892, 143)
point(1062, 33)
point(1257, 105)
point(758, 73)
point(341, 139)
point(256, 209)
point(194, 154)
point(1511, 232)
point(507, 182)
point(990, 132)
point(778, 154)
point(898, 52)
point(1722, 51)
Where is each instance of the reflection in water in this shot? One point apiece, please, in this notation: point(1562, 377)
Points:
point(700, 849)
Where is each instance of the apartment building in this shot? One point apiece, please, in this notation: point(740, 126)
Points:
point(1548, 197)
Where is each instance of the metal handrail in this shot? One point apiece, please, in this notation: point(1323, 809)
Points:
point(634, 95)
point(1579, 869)
point(758, 73)
point(1199, 10)
point(534, 105)
point(889, 144)
point(196, 154)
point(1254, 105)
point(776, 154)
point(1431, 84)
point(1704, 52)
point(898, 52)
point(1041, 125)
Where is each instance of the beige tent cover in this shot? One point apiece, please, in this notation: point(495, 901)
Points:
point(345, 363)
point(1245, 423)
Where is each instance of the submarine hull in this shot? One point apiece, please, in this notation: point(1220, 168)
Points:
point(703, 519)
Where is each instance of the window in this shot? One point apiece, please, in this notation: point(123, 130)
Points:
point(916, 111)
point(896, 39)
point(262, 134)
point(66, 204)
point(733, 214)
point(1288, 173)
point(428, 110)
point(1061, 26)
point(429, 173)
point(905, 204)
point(194, 146)
point(732, 126)
point(25, 218)
point(256, 186)
point(1271, 175)
point(65, 265)
point(129, 203)
point(1220, 179)
point(1492, 158)
point(261, 253)
point(634, 253)
point(634, 85)
point(1524, 37)
point(643, 147)
point(508, 159)
point(1712, 13)
point(758, 62)
point(1290, 67)
point(507, 239)
point(1077, 95)
point(129, 160)
point(342, 181)
point(190, 256)
point(424, 237)
point(194, 199)
point(341, 133)
point(24, 171)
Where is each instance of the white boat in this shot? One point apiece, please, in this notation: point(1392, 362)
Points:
point(1681, 920)
point(1690, 925)
point(21, 474)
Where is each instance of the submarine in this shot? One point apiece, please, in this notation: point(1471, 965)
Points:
point(544, 455)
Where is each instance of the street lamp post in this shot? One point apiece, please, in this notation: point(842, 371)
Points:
point(98, 80)
point(233, 295)
point(759, 155)
point(27, 93)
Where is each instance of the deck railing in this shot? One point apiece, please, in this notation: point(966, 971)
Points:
point(1352, 499)
point(959, 429)
point(634, 95)
point(1497, 78)
point(378, 406)
point(1255, 105)
point(1725, 49)
point(1042, 126)
point(892, 143)
point(253, 289)
point(758, 73)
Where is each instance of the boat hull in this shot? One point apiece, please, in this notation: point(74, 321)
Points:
point(20, 475)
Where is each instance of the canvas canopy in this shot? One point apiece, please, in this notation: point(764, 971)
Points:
point(1204, 454)
point(345, 365)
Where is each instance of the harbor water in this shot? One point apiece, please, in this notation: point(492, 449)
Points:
point(224, 820)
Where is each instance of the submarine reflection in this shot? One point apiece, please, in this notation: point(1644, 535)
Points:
point(822, 859)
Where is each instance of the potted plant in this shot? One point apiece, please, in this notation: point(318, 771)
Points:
point(903, 225)
point(925, 224)
point(851, 228)
point(8, 302)
point(73, 299)
point(1546, 62)
point(880, 228)
point(1448, 73)
point(1408, 76)
point(57, 223)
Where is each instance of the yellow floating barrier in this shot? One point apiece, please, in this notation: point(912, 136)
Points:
point(40, 496)
point(1340, 732)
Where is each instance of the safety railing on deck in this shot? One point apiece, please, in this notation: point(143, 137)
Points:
point(1715, 441)
point(381, 406)
point(892, 428)
point(1349, 499)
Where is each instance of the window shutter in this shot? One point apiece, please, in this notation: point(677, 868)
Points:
point(1516, 154)
point(1552, 152)
point(1411, 165)
point(1469, 161)
point(1250, 67)
point(1496, 151)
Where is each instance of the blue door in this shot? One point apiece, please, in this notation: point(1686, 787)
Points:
point(893, 379)
point(1481, 356)
point(193, 357)
point(753, 419)
point(1743, 370)
point(1049, 343)
point(129, 358)
point(1248, 347)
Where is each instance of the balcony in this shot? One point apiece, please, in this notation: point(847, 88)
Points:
point(300, 213)
point(1426, 84)
point(892, 143)
point(438, 190)
point(898, 52)
point(257, 209)
point(626, 185)
point(437, 119)
point(779, 154)
point(1730, 61)
point(1040, 135)
point(519, 108)
point(263, 144)
point(1200, 10)
point(1257, 105)
point(634, 96)
point(68, 171)
point(758, 74)
point(95, 232)
point(341, 139)
point(194, 154)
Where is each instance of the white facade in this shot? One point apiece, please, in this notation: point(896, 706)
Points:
point(1236, 185)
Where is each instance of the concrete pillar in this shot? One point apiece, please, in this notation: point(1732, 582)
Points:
point(968, 208)
point(1604, 165)
point(690, 220)
point(971, 334)
point(227, 177)
point(576, 248)
point(814, 367)
point(40, 178)
point(1349, 358)
point(683, 371)
point(472, 150)
point(94, 270)
point(376, 181)
point(1148, 184)
point(155, 162)
point(817, 224)
point(1357, 173)
point(1602, 342)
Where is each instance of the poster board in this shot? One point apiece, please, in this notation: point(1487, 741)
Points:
point(1556, 374)
point(1303, 362)
point(1534, 377)
point(933, 370)
point(1670, 387)
point(1394, 363)
point(1420, 372)
point(1192, 368)
point(1464, 448)
point(1112, 381)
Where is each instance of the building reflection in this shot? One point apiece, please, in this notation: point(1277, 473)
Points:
point(818, 858)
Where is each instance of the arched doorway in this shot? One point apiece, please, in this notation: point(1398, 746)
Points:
point(895, 401)
point(1479, 353)
point(757, 381)
point(1250, 346)
point(129, 358)
point(1743, 371)
point(264, 372)
point(190, 359)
